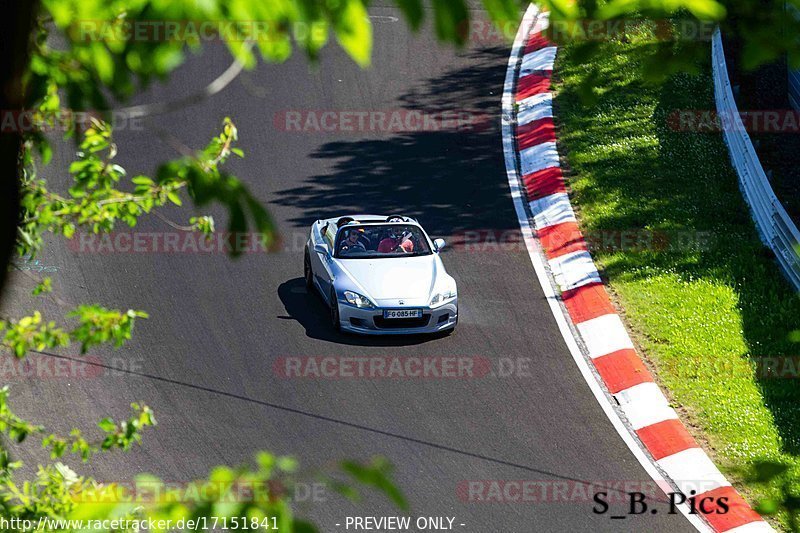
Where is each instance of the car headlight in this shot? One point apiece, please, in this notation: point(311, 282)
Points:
point(442, 297)
point(353, 298)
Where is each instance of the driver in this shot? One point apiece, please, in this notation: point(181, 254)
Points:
point(397, 241)
point(351, 243)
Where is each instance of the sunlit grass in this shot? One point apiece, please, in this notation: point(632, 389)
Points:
point(705, 312)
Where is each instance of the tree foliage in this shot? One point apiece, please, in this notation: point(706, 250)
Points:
point(86, 55)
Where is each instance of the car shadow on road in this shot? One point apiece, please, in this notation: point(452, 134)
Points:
point(311, 312)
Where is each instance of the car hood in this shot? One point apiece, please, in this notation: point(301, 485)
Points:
point(395, 277)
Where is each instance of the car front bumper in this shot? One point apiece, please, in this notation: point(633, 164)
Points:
point(371, 321)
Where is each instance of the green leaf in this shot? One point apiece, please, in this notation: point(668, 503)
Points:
point(354, 31)
point(767, 507)
point(706, 9)
point(107, 425)
point(450, 19)
point(103, 62)
point(142, 180)
point(413, 11)
point(45, 286)
point(174, 198)
point(377, 474)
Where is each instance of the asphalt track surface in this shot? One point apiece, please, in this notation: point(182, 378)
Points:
point(204, 361)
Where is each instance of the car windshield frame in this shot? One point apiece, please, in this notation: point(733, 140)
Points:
point(374, 254)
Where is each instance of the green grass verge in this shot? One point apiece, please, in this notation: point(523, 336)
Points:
point(708, 302)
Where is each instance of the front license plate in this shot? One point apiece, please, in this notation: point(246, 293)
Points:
point(402, 313)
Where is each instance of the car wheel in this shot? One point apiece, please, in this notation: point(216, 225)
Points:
point(335, 312)
point(308, 273)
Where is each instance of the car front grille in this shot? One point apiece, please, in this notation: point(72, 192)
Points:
point(400, 323)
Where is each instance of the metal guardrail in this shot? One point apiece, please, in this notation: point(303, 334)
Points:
point(775, 228)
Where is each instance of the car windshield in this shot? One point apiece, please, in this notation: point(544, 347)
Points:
point(375, 241)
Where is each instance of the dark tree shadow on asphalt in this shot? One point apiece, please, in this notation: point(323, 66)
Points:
point(452, 180)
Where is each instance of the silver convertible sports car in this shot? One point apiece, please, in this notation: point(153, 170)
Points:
point(380, 275)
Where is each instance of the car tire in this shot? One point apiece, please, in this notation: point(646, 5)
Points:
point(307, 272)
point(335, 320)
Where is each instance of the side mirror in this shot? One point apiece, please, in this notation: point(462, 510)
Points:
point(321, 248)
point(439, 244)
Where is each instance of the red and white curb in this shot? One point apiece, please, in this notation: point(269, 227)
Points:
point(593, 331)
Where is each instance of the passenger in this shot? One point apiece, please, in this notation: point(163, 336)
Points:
point(397, 242)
